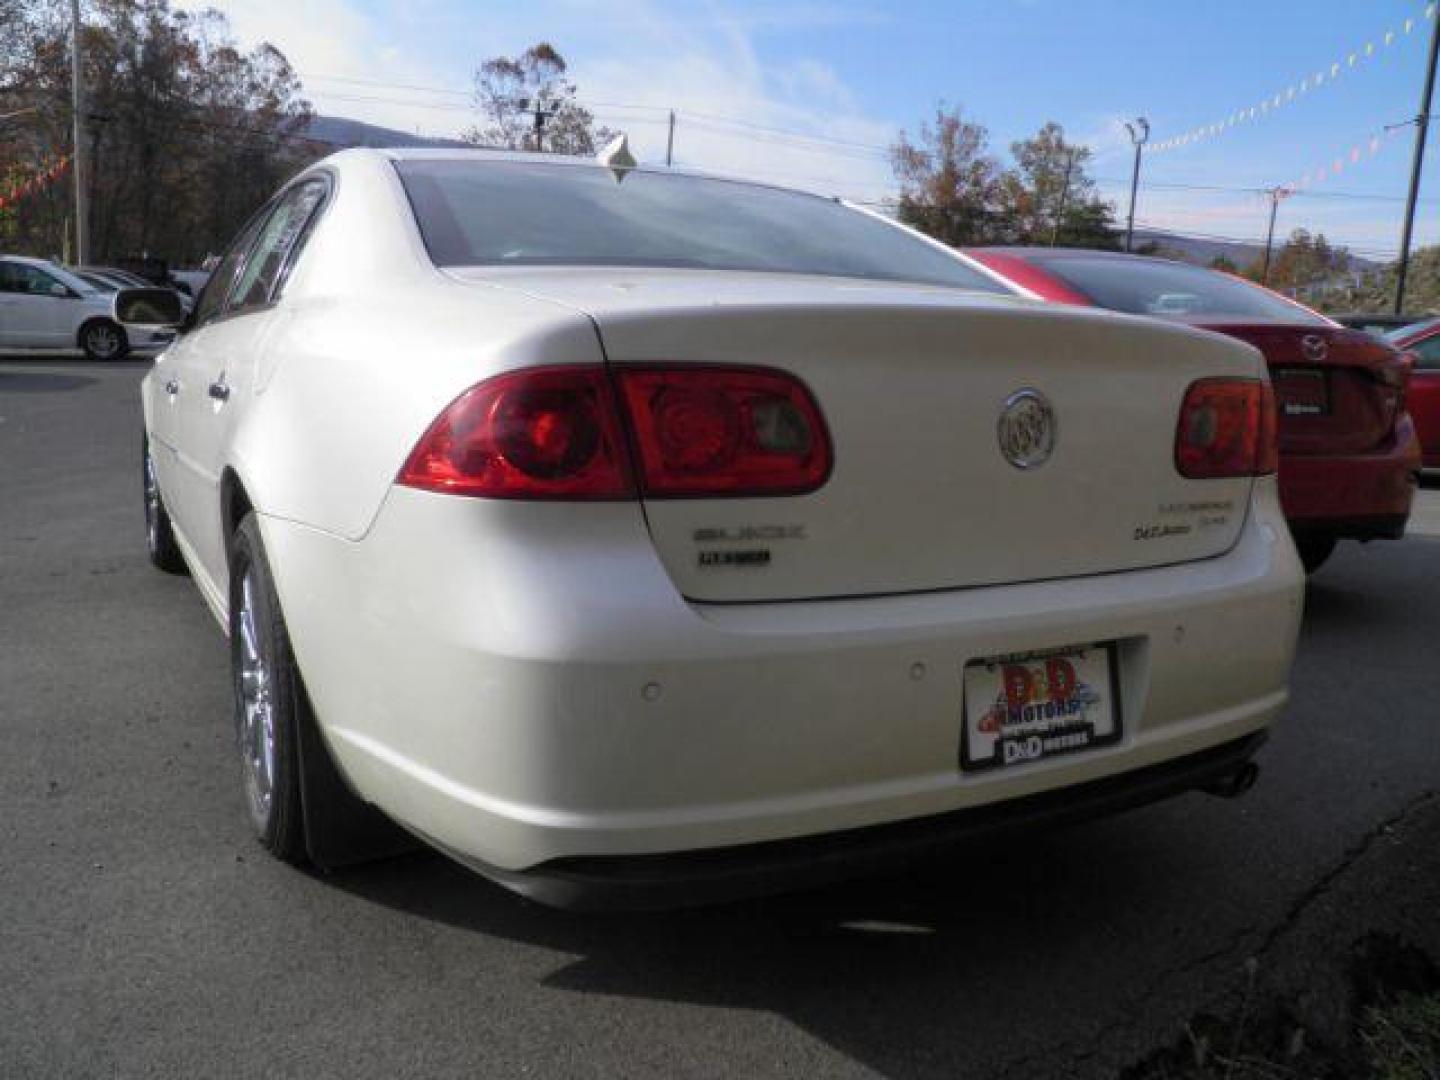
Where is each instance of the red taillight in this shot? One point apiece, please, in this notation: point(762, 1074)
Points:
point(541, 433)
point(1227, 428)
point(724, 431)
point(557, 433)
point(1396, 380)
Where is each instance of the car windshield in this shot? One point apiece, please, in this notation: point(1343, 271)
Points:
point(98, 282)
point(73, 280)
point(1170, 290)
point(495, 213)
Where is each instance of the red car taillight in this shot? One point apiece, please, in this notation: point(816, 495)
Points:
point(724, 431)
point(541, 433)
point(1227, 428)
point(558, 433)
point(1395, 378)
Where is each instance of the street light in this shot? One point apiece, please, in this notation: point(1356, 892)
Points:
point(1139, 135)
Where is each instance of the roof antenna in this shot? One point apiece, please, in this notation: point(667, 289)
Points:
point(618, 157)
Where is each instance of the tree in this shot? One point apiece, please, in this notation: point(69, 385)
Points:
point(948, 182)
point(1048, 198)
point(188, 133)
point(1304, 259)
point(1374, 286)
point(531, 105)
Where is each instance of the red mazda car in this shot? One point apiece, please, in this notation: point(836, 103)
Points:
point(1348, 449)
point(1422, 399)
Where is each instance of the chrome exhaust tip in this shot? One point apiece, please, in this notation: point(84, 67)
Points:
point(1234, 784)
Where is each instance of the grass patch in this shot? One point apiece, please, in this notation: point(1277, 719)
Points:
point(1394, 1033)
point(1402, 1039)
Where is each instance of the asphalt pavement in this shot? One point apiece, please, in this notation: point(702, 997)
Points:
point(144, 933)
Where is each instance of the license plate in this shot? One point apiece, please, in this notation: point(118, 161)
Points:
point(1301, 392)
point(1029, 707)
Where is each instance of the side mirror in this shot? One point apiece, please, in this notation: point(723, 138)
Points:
point(149, 307)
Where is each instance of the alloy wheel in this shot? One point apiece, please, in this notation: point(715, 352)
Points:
point(257, 712)
point(102, 341)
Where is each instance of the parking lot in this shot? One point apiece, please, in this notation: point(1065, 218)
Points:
point(143, 932)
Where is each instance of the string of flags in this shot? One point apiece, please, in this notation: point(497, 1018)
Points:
point(1361, 152)
point(1295, 90)
point(41, 180)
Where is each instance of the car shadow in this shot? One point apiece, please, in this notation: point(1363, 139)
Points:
point(1338, 600)
point(933, 972)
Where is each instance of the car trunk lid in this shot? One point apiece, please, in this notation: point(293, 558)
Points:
point(1337, 391)
point(912, 383)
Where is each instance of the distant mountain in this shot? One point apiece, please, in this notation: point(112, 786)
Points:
point(1203, 251)
point(1197, 249)
point(342, 132)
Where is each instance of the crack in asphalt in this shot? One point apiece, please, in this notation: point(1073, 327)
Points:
point(1352, 855)
point(1233, 942)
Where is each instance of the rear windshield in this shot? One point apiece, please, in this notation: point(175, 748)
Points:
point(493, 213)
point(1167, 289)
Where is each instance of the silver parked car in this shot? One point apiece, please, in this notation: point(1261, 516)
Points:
point(45, 306)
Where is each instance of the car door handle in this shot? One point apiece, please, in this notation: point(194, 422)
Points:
point(172, 387)
point(219, 391)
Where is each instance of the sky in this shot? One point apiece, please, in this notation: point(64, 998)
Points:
point(810, 94)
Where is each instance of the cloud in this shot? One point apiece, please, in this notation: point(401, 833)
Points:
point(634, 61)
point(735, 110)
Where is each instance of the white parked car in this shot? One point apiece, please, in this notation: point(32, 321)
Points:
point(638, 537)
point(45, 306)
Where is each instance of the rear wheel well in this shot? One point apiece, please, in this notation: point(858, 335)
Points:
point(234, 505)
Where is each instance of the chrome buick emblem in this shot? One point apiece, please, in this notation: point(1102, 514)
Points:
point(1026, 429)
point(1315, 347)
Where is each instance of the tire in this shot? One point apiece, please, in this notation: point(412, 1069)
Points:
point(269, 698)
point(104, 341)
point(160, 542)
point(1314, 550)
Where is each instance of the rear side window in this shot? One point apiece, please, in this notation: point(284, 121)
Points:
point(212, 299)
point(1170, 290)
point(509, 213)
point(278, 239)
point(1427, 354)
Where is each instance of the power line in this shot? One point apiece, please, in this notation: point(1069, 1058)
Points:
point(704, 118)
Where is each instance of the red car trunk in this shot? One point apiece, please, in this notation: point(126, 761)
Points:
point(1337, 391)
point(1348, 450)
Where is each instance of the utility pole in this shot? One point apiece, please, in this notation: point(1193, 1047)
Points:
point(77, 153)
point(1064, 195)
point(1276, 194)
point(1422, 124)
point(541, 114)
point(1139, 134)
point(670, 141)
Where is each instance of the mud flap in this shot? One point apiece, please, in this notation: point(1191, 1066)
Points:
point(340, 828)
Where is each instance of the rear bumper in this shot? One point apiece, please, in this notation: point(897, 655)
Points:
point(717, 875)
point(1363, 496)
point(520, 683)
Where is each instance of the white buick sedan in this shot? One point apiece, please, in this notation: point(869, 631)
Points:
point(640, 538)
